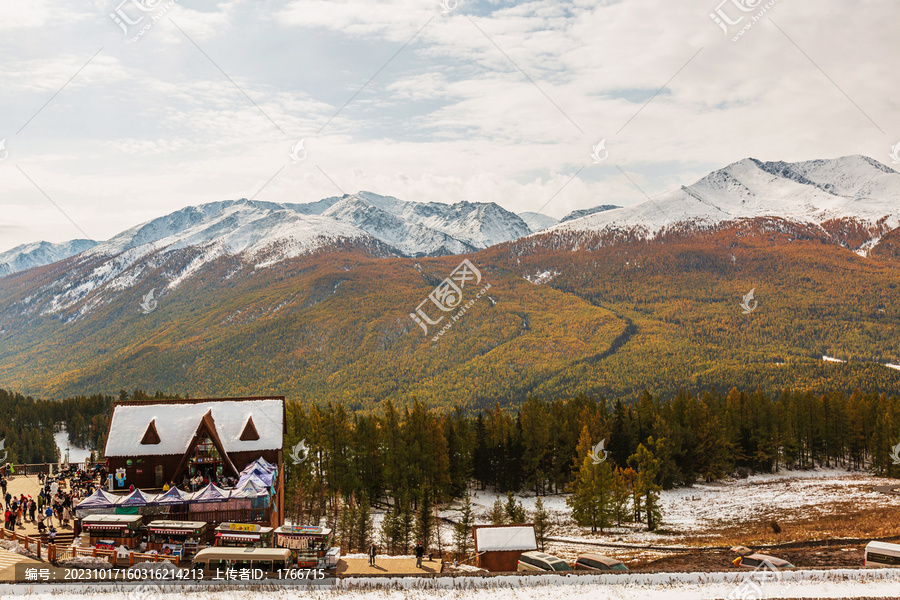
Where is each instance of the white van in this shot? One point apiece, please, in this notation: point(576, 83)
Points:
point(882, 554)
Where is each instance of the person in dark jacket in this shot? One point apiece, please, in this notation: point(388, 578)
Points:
point(420, 553)
point(372, 552)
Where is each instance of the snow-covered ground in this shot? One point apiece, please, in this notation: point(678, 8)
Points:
point(843, 583)
point(703, 508)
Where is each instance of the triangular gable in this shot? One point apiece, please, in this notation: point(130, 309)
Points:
point(151, 436)
point(249, 433)
point(206, 427)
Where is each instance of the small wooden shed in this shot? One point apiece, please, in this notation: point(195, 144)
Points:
point(498, 547)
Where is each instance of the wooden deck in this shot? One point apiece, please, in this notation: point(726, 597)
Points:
point(30, 486)
point(8, 562)
point(387, 565)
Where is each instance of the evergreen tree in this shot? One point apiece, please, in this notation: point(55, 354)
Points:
point(347, 523)
point(515, 512)
point(363, 533)
point(620, 495)
point(541, 520)
point(498, 513)
point(425, 518)
point(389, 530)
point(462, 533)
point(646, 465)
point(592, 491)
point(405, 525)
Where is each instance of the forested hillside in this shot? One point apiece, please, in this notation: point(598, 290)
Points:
point(564, 316)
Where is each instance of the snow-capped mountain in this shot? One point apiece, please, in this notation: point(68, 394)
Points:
point(577, 214)
point(422, 229)
point(537, 221)
point(251, 234)
point(169, 250)
point(812, 192)
point(38, 254)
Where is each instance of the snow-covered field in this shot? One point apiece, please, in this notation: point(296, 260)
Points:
point(703, 509)
point(843, 583)
point(707, 506)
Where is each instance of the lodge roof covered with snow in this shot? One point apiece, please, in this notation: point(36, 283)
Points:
point(503, 538)
point(175, 422)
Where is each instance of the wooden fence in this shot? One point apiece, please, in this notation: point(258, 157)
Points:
point(113, 556)
point(34, 545)
point(54, 553)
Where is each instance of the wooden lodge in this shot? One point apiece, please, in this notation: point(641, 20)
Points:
point(154, 442)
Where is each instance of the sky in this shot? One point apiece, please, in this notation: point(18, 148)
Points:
point(116, 112)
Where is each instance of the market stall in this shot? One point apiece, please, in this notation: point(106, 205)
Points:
point(112, 531)
point(176, 538)
point(243, 535)
point(308, 544)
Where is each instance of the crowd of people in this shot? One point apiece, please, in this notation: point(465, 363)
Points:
point(55, 502)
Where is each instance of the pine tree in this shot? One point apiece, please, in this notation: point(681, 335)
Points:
point(462, 533)
point(647, 467)
point(620, 495)
point(363, 533)
point(591, 495)
point(592, 490)
point(541, 520)
point(347, 522)
point(498, 513)
point(515, 512)
point(425, 518)
point(405, 525)
point(389, 530)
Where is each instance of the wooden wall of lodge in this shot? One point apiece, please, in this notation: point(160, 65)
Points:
point(145, 479)
point(499, 561)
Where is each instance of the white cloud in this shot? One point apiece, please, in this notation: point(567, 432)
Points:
point(151, 126)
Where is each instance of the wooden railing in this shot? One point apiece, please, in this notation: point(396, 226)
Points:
point(61, 553)
point(54, 553)
point(33, 544)
point(45, 468)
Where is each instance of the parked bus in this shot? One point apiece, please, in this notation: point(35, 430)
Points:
point(882, 554)
point(269, 560)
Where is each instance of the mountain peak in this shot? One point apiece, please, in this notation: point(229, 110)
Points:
point(811, 192)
